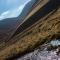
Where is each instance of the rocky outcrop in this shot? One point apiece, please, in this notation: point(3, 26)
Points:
point(44, 52)
point(42, 31)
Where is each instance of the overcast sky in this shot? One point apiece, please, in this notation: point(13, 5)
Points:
point(11, 8)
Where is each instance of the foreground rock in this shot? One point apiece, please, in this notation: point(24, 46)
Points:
point(42, 53)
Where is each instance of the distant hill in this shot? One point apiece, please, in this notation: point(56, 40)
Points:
point(9, 25)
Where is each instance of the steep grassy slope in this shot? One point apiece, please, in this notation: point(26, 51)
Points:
point(43, 31)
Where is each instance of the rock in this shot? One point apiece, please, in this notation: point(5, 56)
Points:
point(43, 54)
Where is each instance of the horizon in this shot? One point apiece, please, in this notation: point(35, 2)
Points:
point(11, 8)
